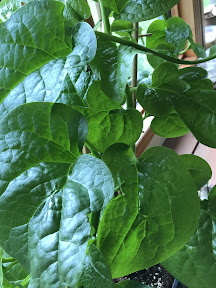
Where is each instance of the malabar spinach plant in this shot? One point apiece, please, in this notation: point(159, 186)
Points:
point(73, 219)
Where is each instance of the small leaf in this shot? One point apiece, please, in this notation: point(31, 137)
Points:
point(155, 101)
point(197, 110)
point(75, 11)
point(197, 48)
point(141, 10)
point(212, 50)
point(177, 32)
point(190, 74)
point(121, 26)
point(197, 257)
point(164, 73)
point(198, 168)
point(169, 126)
point(115, 5)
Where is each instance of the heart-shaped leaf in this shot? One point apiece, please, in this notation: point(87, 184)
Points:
point(141, 10)
point(197, 257)
point(40, 45)
point(141, 229)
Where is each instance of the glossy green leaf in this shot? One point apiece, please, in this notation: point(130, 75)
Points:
point(164, 73)
point(115, 5)
point(59, 230)
point(62, 80)
point(197, 110)
point(198, 168)
point(169, 126)
point(115, 126)
point(177, 32)
point(212, 50)
point(148, 227)
point(96, 271)
point(190, 74)
point(30, 135)
point(197, 48)
point(131, 284)
point(75, 11)
point(114, 66)
point(46, 42)
point(197, 257)
point(98, 100)
point(141, 10)
point(121, 26)
point(7, 7)
point(155, 101)
point(15, 274)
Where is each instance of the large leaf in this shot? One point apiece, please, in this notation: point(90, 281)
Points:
point(35, 33)
point(30, 135)
point(141, 229)
point(59, 230)
point(141, 10)
point(197, 257)
point(197, 110)
point(114, 66)
point(62, 80)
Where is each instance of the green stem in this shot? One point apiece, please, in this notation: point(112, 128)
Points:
point(7, 260)
point(11, 265)
point(129, 100)
point(151, 51)
point(105, 17)
point(25, 282)
point(188, 47)
point(135, 64)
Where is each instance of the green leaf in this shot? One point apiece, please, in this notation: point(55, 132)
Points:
point(7, 7)
point(75, 11)
point(155, 101)
point(96, 271)
point(115, 126)
point(190, 74)
point(169, 126)
point(1, 272)
point(197, 48)
point(60, 230)
point(98, 100)
point(62, 80)
point(197, 110)
point(197, 257)
point(177, 32)
point(115, 5)
point(149, 226)
point(114, 66)
point(30, 135)
point(164, 73)
point(121, 26)
point(198, 168)
point(46, 42)
point(15, 274)
point(141, 10)
point(131, 284)
point(212, 50)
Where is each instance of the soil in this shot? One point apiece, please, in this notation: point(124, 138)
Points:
point(155, 276)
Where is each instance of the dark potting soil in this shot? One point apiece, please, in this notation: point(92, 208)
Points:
point(155, 276)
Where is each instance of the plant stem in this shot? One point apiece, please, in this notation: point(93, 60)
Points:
point(7, 260)
point(151, 51)
point(129, 100)
point(135, 64)
point(25, 282)
point(11, 265)
point(105, 17)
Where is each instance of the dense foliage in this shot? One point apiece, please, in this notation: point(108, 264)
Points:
point(69, 219)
